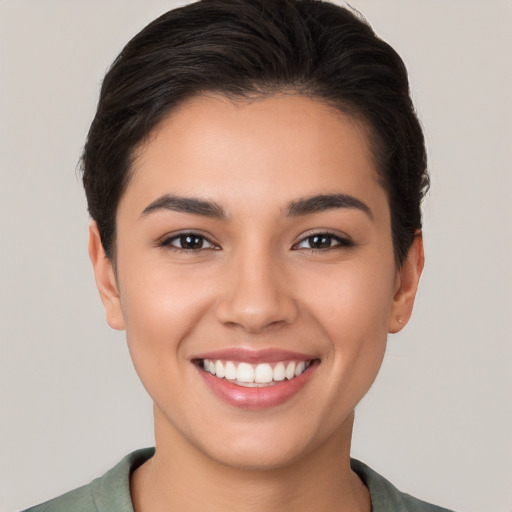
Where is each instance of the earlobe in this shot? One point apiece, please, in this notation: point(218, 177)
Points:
point(105, 280)
point(407, 285)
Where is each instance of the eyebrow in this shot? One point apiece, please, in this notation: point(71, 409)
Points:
point(186, 205)
point(304, 206)
point(322, 202)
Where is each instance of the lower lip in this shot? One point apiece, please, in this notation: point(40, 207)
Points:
point(257, 398)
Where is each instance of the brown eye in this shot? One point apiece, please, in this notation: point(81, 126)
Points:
point(188, 242)
point(323, 241)
point(320, 241)
point(191, 242)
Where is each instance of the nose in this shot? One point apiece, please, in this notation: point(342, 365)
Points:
point(257, 296)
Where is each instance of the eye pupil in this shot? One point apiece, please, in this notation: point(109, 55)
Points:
point(320, 241)
point(191, 242)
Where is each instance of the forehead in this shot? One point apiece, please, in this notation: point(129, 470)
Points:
point(275, 148)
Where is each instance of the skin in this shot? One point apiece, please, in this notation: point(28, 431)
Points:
point(259, 284)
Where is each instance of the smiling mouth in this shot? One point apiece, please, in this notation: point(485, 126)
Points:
point(254, 375)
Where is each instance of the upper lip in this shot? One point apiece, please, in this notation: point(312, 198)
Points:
point(241, 354)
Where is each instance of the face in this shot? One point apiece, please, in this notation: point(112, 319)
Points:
point(255, 277)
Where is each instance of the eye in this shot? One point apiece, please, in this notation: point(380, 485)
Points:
point(323, 241)
point(188, 242)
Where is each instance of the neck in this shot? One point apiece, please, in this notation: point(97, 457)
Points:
point(180, 477)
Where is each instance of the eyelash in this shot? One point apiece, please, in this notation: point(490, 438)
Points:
point(168, 242)
point(341, 242)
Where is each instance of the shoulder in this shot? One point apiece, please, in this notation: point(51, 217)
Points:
point(386, 497)
point(79, 499)
point(109, 493)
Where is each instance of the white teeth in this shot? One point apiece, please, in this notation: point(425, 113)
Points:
point(263, 374)
point(246, 374)
point(290, 371)
point(230, 371)
point(279, 372)
point(219, 369)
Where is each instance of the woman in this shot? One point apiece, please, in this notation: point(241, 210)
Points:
point(254, 174)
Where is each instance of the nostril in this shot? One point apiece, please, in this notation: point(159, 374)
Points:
point(254, 315)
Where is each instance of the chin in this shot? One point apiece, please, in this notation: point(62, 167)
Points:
point(253, 456)
point(264, 446)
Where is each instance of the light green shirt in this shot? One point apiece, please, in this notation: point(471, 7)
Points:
point(111, 492)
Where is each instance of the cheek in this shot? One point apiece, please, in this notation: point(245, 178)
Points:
point(161, 311)
point(161, 305)
point(156, 293)
point(352, 306)
point(353, 299)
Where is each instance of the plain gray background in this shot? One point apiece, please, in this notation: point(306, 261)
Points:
point(438, 421)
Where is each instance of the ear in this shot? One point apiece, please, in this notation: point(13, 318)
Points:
point(408, 278)
point(105, 279)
